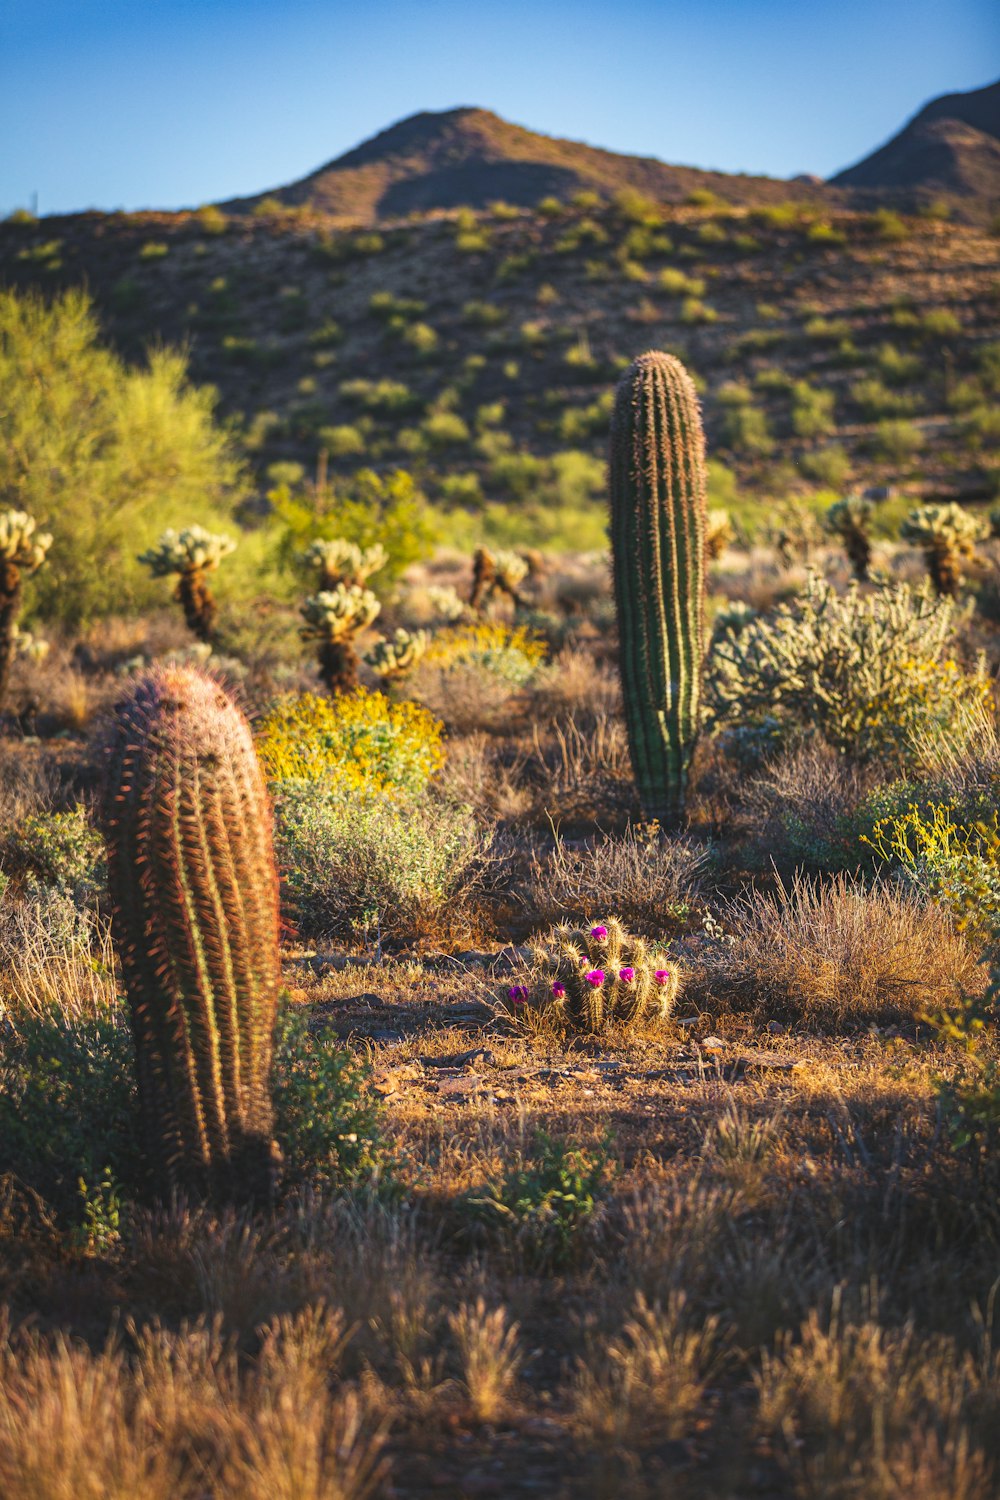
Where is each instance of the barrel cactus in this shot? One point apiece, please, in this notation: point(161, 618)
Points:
point(191, 554)
point(851, 519)
point(947, 535)
point(194, 893)
point(22, 552)
point(657, 485)
point(334, 618)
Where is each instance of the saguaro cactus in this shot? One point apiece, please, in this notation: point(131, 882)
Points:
point(658, 528)
point(191, 554)
point(22, 551)
point(194, 894)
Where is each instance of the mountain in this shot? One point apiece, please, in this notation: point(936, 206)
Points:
point(471, 158)
point(950, 149)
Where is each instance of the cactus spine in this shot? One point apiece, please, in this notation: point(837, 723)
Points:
point(195, 920)
point(658, 528)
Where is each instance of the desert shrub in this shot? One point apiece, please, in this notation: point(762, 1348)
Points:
point(837, 952)
point(896, 440)
point(587, 979)
point(342, 441)
point(57, 849)
point(651, 880)
point(511, 653)
point(946, 850)
point(354, 741)
point(109, 453)
point(543, 1207)
point(743, 426)
point(445, 429)
point(865, 671)
point(68, 1111)
point(367, 508)
point(326, 1118)
point(829, 466)
point(678, 283)
point(359, 861)
point(812, 410)
point(810, 810)
point(898, 367)
point(693, 310)
point(875, 399)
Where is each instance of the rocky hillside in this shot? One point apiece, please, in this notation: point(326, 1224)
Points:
point(478, 351)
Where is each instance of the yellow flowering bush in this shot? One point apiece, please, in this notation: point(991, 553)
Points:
point(512, 653)
point(359, 740)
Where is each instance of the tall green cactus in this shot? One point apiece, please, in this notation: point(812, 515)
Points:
point(658, 529)
point(194, 895)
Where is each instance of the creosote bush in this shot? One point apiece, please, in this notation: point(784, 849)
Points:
point(588, 979)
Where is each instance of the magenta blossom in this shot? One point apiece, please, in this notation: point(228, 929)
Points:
point(599, 934)
point(595, 977)
point(518, 993)
point(662, 976)
point(558, 989)
point(626, 975)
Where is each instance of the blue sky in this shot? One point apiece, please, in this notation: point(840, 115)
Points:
point(166, 103)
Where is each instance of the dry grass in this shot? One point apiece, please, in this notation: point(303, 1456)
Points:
point(487, 1347)
point(838, 953)
point(648, 880)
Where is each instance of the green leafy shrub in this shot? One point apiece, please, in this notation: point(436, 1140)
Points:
point(544, 1206)
point(896, 440)
point(354, 861)
point(866, 671)
point(110, 454)
point(57, 849)
point(812, 410)
point(356, 742)
point(367, 508)
point(326, 1118)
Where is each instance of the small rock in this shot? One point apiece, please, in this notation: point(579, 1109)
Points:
point(713, 1044)
point(776, 1028)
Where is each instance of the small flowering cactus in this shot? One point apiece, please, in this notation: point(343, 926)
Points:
point(22, 552)
point(190, 554)
point(333, 618)
point(394, 658)
point(586, 979)
point(340, 561)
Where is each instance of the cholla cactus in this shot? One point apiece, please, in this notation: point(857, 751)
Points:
point(445, 603)
point(584, 980)
point(718, 534)
point(850, 519)
point(340, 561)
point(394, 658)
point(496, 572)
point(732, 618)
point(191, 554)
point(334, 617)
point(22, 552)
point(32, 647)
point(947, 535)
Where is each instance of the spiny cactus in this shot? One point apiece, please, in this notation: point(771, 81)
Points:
point(583, 980)
point(191, 554)
point(658, 524)
point(850, 519)
point(496, 572)
point(22, 552)
point(392, 659)
point(194, 893)
point(333, 618)
point(445, 603)
point(947, 535)
point(340, 561)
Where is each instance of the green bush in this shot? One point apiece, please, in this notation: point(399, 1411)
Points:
point(326, 1118)
point(545, 1205)
point(57, 849)
point(897, 440)
point(354, 861)
point(106, 455)
point(829, 466)
point(366, 508)
point(812, 410)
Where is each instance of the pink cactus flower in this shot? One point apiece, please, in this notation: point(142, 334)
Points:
point(662, 976)
point(626, 975)
point(594, 977)
point(599, 934)
point(518, 993)
point(558, 989)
